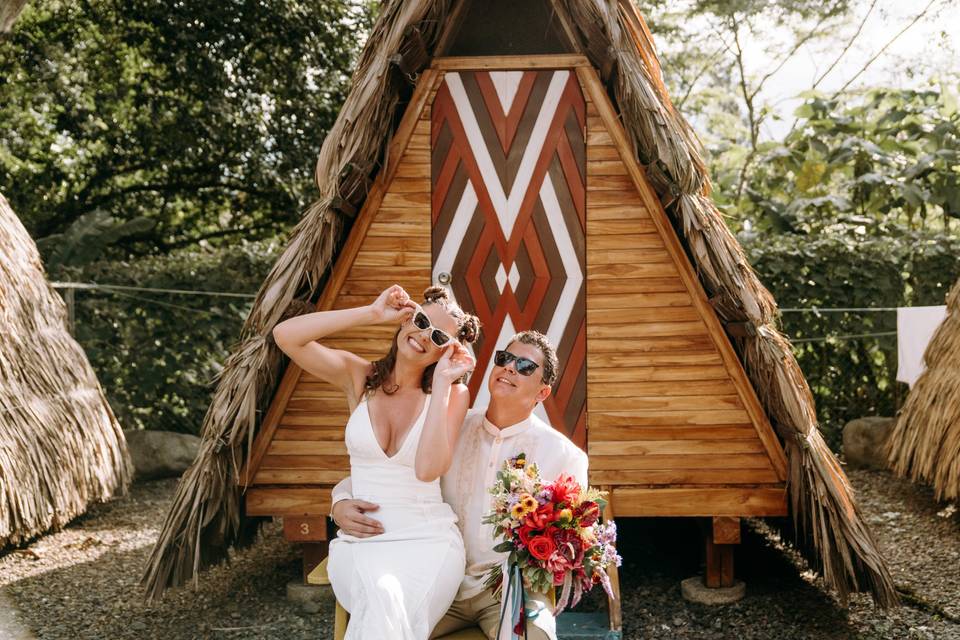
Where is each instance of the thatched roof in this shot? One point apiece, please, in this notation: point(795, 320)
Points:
point(61, 447)
point(925, 442)
point(826, 523)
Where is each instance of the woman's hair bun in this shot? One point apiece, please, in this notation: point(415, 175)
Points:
point(436, 293)
point(468, 324)
point(469, 328)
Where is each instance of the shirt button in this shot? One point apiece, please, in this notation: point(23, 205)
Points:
point(499, 439)
point(491, 464)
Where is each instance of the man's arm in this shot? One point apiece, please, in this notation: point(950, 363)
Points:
point(342, 491)
point(578, 466)
point(348, 514)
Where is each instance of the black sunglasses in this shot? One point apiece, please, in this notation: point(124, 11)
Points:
point(525, 366)
point(437, 336)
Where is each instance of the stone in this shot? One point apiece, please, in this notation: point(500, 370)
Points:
point(161, 454)
point(695, 590)
point(863, 442)
point(301, 593)
point(310, 606)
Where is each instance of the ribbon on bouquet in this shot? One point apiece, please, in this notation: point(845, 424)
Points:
point(513, 610)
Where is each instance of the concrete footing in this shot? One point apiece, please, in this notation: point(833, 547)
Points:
point(302, 593)
point(695, 590)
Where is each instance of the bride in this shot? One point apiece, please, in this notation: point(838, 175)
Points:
point(406, 413)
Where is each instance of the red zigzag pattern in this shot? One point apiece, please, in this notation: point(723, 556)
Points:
point(508, 209)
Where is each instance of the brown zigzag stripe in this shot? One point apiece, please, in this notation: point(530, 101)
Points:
point(508, 207)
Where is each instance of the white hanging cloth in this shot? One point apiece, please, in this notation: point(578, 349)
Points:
point(915, 327)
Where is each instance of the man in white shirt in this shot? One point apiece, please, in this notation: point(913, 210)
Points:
point(521, 377)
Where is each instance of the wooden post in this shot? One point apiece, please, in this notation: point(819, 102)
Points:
point(313, 555)
point(721, 536)
point(312, 532)
point(613, 604)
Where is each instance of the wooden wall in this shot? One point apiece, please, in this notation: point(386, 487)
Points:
point(667, 402)
point(673, 425)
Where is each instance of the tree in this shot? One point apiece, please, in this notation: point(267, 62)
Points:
point(872, 164)
point(203, 118)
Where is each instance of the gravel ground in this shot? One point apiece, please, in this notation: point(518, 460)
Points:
point(83, 582)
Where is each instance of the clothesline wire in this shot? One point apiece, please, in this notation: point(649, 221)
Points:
point(833, 309)
point(843, 337)
point(94, 285)
point(167, 304)
point(119, 289)
point(230, 294)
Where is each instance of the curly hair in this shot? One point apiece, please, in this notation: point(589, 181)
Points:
point(551, 366)
point(468, 330)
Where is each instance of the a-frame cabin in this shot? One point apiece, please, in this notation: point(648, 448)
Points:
point(508, 140)
point(511, 181)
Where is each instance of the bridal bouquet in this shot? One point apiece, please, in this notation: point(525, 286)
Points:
point(552, 533)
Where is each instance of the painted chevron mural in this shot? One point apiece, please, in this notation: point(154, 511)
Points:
point(508, 204)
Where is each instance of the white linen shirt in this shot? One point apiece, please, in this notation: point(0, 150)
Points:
point(480, 452)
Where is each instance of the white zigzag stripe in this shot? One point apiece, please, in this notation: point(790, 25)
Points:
point(458, 229)
point(507, 206)
point(506, 83)
point(569, 259)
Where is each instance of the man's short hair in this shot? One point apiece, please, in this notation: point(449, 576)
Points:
point(551, 366)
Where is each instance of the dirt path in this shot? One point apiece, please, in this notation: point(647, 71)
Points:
point(11, 627)
point(84, 581)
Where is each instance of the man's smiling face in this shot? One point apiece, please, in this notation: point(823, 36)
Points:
point(506, 385)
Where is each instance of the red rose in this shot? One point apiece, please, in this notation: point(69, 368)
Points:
point(540, 518)
point(541, 547)
point(558, 578)
point(588, 513)
point(525, 534)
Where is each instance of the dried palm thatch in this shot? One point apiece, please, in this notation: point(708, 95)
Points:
point(60, 445)
point(828, 527)
point(925, 442)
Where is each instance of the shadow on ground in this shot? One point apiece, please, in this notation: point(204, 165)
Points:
point(83, 582)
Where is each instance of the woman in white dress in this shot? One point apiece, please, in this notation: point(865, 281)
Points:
point(406, 413)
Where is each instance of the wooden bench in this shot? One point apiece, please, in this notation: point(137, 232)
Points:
point(341, 616)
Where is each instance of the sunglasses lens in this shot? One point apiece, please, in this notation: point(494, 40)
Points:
point(420, 320)
point(439, 337)
point(525, 366)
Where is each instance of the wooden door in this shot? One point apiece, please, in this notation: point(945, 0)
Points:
point(508, 167)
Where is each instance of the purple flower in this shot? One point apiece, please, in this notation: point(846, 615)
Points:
point(607, 533)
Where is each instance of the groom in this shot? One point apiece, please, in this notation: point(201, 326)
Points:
point(490, 435)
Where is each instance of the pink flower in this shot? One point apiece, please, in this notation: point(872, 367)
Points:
point(564, 489)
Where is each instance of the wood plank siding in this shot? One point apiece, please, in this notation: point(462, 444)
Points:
point(653, 389)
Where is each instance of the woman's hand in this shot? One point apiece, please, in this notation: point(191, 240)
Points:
point(392, 305)
point(453, 364)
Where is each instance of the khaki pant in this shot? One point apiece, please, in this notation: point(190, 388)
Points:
point(483, 610)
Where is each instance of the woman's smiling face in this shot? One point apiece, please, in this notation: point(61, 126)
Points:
point(415, 345)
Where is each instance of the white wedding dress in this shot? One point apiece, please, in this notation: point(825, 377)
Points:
point(399, 584)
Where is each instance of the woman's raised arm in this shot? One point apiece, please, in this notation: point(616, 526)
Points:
point(449, 401)
point(298, 336)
